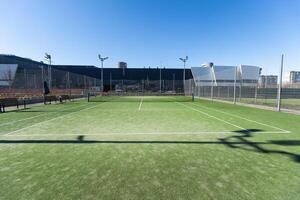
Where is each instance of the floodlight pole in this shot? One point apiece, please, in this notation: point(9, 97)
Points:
point(184, 61)
point(48, 58)
point(279, 87)
point(42, 70)
point(102, 59)
point(102, 76)
point(212, 82)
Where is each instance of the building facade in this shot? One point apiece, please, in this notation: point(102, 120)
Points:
point(292, 77)
point(268, 81)
point(31, 74)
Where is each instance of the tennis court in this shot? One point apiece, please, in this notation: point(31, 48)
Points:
point(168, 147)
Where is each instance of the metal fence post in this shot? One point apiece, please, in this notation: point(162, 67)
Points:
point(255, 95)
point(42, 70)
point(69, 85)
point(234, 86)
point(25, 79)
point(240, 91)
point(279, 86)
point(173, 83)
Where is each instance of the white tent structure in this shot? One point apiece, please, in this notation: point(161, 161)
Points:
point(249, 75)
point(224, 82)
point(203, 76)
point(218, 75)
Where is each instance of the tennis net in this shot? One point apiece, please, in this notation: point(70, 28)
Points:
point(138, 98)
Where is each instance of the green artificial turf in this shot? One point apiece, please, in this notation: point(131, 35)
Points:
point(149, 148)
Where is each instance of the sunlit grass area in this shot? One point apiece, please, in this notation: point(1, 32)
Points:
point(149, 148)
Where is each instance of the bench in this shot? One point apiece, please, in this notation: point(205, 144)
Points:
point(8, 102)
point(65, 98)
point(50, 99)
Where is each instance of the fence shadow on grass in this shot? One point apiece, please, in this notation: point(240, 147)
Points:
point(80, 141)
point(240, 141)
point(29, 110)
point(47, 111)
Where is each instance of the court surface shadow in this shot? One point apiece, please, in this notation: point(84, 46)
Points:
point(239, 141)
point(247, 145)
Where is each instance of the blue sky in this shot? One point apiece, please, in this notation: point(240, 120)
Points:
point(154, 32)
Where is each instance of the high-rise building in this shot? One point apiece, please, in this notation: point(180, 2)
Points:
point(122, 65)
point(292, 77)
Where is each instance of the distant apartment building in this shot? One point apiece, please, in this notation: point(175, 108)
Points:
point(292, 77)
point(267, 81)
point(122, 65)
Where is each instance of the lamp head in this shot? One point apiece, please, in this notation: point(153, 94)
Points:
point(102, 59)
point(47, 56)
point(184, 59)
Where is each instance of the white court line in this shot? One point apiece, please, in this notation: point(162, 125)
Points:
point(211, 116)
point(49, 120)
point(12, 122)
point(141, 102)
point(240, 117)
point(120, 134)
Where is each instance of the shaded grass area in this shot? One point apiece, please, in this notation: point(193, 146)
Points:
point(183, 150)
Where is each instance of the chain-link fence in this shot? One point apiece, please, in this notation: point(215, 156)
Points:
point(143, 87)
point(248, 93)
point(31, 83)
